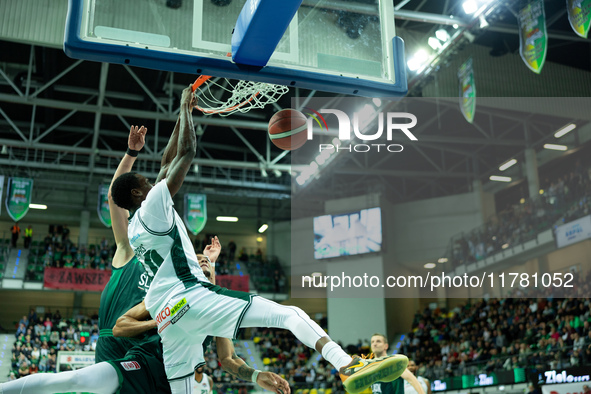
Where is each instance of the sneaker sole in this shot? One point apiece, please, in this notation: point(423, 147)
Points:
point(386, 371)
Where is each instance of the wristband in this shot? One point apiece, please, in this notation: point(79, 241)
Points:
point(255, 375)
point(132, 153)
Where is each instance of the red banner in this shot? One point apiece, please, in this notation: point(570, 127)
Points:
point(233, 282)
point(76, 279)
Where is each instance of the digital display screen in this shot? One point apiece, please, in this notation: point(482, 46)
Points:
point(348, 234)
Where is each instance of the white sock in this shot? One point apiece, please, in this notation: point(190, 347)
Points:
point(335, 355)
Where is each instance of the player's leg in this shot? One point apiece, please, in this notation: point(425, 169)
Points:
point(181, 386)
point(356, 373)
point(99, 378)
point(266, 313)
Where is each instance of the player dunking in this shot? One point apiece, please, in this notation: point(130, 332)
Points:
point(132, 366)
point(186, 306)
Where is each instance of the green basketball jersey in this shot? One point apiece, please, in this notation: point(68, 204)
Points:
point(126, 288)
point(395, 387)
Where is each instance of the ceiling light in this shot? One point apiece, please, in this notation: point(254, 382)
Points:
point(377, 102)
point(263, 228)
point(277, 173)
point(320, 159)
point(442, 260)
point(541, 191)
point(469, 6)
point(565, 130)
point(301, 180)
point(455, 26)
point(264, 173)
point(4, 150)
point(442, 34)
point(555, 147)
point(434, 43)
point(500, 178)
point(483, 22)
point(226, 219)
point(421, 55)
point(429, 265)
point(336, 141)
point(413, 64)
point(37, 206)
point(417, 60)
point(522, 201)
point(508, 164)
point(259, 239)
point(316, 274)
point(505, 246)
point(196, 168)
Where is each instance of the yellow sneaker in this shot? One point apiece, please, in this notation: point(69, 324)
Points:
point(362, 373)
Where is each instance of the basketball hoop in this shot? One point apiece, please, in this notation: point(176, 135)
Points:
point(244, 95)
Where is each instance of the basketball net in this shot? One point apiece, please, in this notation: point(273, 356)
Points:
point(244, 95)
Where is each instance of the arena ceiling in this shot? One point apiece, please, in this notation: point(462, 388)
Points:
point(64, 122)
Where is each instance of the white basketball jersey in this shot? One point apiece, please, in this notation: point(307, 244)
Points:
point(202, 387)
point(160, 241)
point(408, 389)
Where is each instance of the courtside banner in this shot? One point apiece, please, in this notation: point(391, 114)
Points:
point(195, 216)
point(18, 197)
point(233, 282)
point(76, 279)
point(104, 212)
point(573, 232)
point(467, 90)
point(533, 38)
point(579, 16)
point(569, 388)
point(1, 190)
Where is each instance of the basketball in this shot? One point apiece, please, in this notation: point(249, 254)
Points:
point(288, 129)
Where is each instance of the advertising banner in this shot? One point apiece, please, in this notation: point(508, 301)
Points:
point(195, 215)
point(533, 37)
point(467, 90)
point(573, 232)
point(103, 210)
point(579, 16)
point(18, 197)
point(76, 279)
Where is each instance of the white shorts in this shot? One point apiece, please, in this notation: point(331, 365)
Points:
point(189, 316)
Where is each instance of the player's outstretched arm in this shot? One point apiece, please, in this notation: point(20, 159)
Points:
point(414, 382)
point(134, 322)
point(234, 365)
point(136, 141)
point(169, 151)
point(213, 250)
point(187, 145)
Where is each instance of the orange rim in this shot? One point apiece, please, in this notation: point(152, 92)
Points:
point(201, 81)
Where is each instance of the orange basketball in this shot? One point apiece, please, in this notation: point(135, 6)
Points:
point(288, 129)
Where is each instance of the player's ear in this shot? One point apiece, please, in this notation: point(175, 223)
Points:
point(136, 192)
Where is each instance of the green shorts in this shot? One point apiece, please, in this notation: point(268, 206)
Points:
point(141, 370)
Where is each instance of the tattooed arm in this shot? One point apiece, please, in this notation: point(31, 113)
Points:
point(234, 365)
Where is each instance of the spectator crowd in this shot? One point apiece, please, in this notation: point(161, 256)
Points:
point(564, 199)
point(502, 334)
point(39, 338)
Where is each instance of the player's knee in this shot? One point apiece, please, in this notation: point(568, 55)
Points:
point(297, 313)
point(75, 379)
